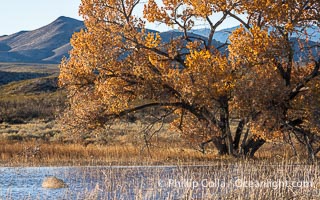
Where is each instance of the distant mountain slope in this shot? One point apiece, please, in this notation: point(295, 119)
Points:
point(50, 43)
point(223, 35)
point(296, 38)
point(169, 35)
point(46, 44)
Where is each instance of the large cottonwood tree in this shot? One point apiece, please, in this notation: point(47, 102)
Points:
point(118, 67)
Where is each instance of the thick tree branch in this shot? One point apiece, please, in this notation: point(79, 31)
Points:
point(182, 105)
point(307, 79)
point(213, 27)
point(239, 19)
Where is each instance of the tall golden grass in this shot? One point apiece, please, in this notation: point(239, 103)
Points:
point(57, 154)
point(34, 153)
point(43, 143)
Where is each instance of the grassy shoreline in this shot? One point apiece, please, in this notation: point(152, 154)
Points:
point(43, 143)
point(34, 153)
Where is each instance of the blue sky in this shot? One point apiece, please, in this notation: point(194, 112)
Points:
point(18, 15)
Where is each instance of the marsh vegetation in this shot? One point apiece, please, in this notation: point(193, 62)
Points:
point(237, 180)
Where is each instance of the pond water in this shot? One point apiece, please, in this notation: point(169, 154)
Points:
point(25, 183)
point(152, 182)
point(125, 182)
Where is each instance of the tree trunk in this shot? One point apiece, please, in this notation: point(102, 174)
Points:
point(292, 145)
point(237, 137)
point(303, 137)
point(219, 143)
point(252, 146)
point(244, 141)
point(311, 154)
point(225, 125)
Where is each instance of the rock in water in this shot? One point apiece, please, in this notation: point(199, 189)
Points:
point(53, 183)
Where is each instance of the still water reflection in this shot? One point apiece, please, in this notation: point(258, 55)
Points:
point(142, 182)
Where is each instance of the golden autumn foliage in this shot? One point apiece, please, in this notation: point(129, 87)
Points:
point(118, 66)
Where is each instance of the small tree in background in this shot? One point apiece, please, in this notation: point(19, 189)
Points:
point(118, 67)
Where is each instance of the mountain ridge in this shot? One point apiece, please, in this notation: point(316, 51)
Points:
point(42, 44)
point(223, 34)
point(300, 42)
point(50, 43)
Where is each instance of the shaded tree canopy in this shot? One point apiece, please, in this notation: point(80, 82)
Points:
point(117, 67)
